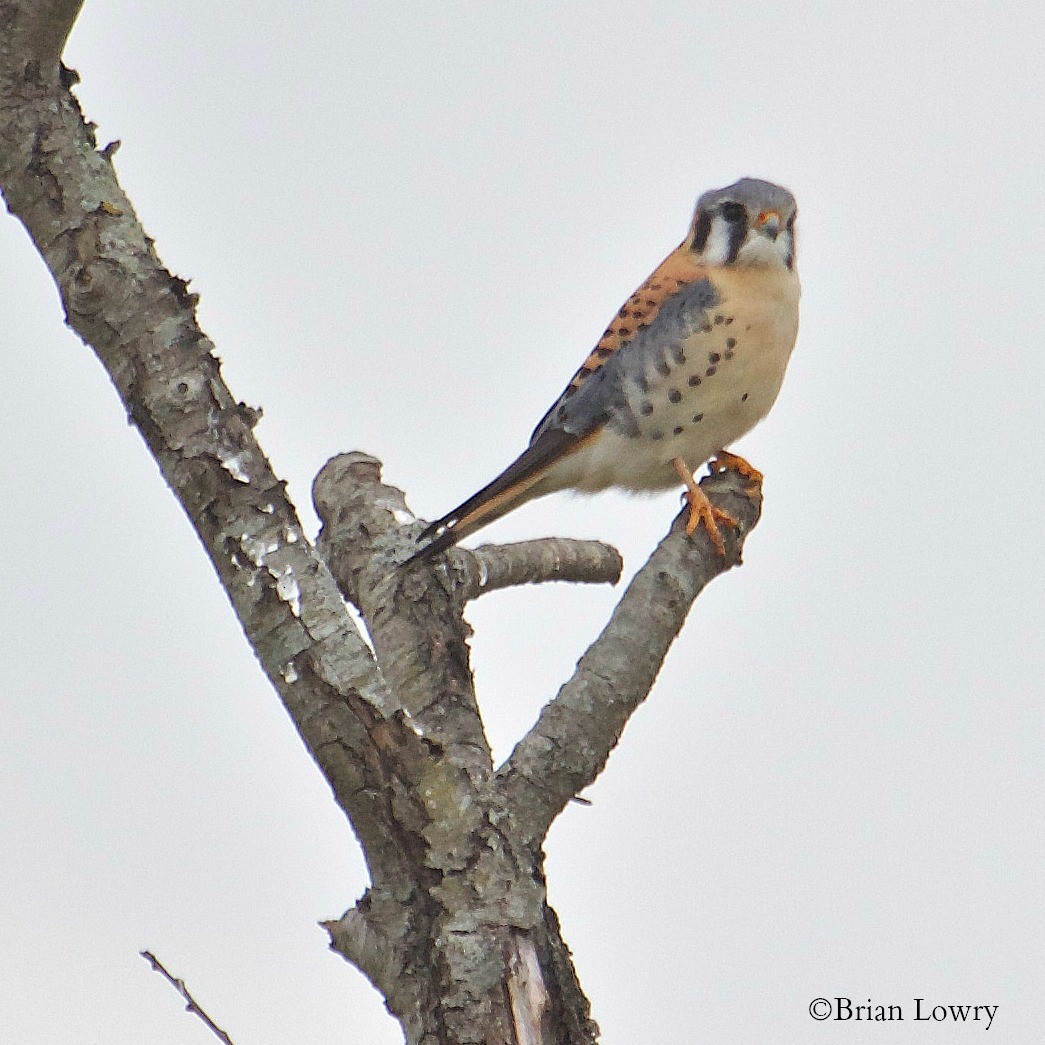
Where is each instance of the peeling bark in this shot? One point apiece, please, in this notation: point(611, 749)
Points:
point(490, 925)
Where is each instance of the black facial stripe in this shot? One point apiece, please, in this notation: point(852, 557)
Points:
point(737, 235)
point(701, 231)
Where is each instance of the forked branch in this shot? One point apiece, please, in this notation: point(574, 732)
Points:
point(455, 929)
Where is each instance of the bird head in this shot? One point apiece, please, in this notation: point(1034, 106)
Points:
point(750, 222)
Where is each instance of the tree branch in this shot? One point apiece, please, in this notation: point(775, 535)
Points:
point(419, 636)
point(575, 733)
point(35, 31)
point(480, 892)
point(141, 322)
point(494, 566)
point(191, 1005)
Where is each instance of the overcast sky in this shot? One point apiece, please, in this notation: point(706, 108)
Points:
point(408, 224)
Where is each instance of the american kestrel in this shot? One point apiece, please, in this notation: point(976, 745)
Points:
point(693, 361)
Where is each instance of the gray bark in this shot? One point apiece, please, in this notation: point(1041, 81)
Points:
point(455, 929)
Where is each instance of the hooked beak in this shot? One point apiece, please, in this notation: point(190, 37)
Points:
point(768, 223)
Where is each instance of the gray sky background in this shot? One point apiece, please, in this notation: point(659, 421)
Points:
point(408, 224)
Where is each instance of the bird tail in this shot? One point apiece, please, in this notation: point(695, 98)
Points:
point(513, 487)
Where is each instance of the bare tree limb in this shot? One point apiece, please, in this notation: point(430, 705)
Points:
point(418, 633)
point(191, 1005)
point(141, 322)
point(35, 31)
point(480, 891)
point(575, 733)
point(491, 567)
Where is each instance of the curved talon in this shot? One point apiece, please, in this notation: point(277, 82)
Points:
point(701, 511)
point(724, 460)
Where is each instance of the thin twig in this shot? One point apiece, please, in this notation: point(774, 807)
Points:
point(191, 1005)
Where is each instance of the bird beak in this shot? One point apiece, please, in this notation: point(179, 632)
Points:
point(768, 223)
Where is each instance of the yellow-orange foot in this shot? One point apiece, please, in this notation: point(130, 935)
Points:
point(724, 459)
point(701, 511)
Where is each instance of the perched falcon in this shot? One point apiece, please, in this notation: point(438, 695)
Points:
point(693, 360)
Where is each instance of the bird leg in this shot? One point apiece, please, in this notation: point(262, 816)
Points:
point(701, 511)
point(724, 459)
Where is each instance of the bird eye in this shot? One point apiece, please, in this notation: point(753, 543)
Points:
point(734, 212)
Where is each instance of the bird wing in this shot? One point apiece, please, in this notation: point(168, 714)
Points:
point(643, 338)
point(662, 312)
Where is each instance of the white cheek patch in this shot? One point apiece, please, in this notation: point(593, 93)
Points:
point(717, 249)
point(761, 250)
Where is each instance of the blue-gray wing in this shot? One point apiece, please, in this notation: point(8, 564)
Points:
point(641, 346)
point(603, 390)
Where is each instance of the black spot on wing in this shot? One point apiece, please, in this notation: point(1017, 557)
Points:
point(603, 398)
